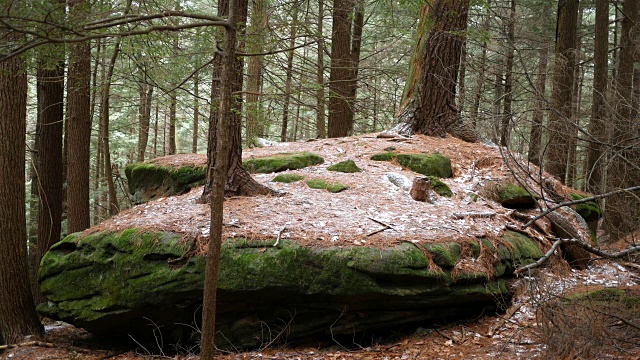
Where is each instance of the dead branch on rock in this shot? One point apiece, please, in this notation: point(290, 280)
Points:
point(473, 215)
point(582, 244)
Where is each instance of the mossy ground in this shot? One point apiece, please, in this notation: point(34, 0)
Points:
point(282, 162)
point(287, 178)
point(347, 166)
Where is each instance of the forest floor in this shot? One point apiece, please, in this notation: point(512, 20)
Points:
point(355, 217)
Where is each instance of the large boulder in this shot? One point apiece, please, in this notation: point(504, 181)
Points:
point(138, 282)
point(165, 176)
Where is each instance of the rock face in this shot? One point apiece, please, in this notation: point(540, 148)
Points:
point(138, 282)
point(148, 180)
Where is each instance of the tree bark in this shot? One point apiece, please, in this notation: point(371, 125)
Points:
point(436, 111)
point(144, 117)
point(289, 76)
point(196, 113)
point(507, 116)
point(622, 211)
point(597, 131)
point(356, 45)
point(255, 44)
point(535, 136)
point(475, 110)
point(340, 114)
point(563, 78)
point(321, 130)
point(79, 127)
point(50, 79)
point(18, 317)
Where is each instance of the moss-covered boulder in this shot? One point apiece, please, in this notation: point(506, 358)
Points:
point(347, 166)
point(282, 162)
point(287, 178)
point(149, 180)
point(133, 283)
point(514, 197)
point(589, 211)
point(440, 187)
point(430, 165)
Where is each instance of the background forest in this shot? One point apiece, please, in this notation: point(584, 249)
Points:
point(111, 82)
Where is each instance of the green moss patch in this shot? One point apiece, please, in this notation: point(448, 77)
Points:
point(590, 211)
point(387, 156)
point(514, 197)
point(148, 181)
point(429, 165)
point(440, 187)
point(282, 162)
point(287, 178)
point(324, 185)
point(347, 166)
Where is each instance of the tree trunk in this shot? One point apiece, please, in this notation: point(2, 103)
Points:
point(321, 130)
point(196, 113)
point(239, 182)
point(436, 111)
point(356, 45)
point(563, 78)
point(462, 77)
point(18, 316)
point(155, 130)
point(576, 94)
point(535, 136)
point(287, 86)
point(171, 128)
point(97, 207)
point(79, 127)
point(144, 116)
point(475, 110)
point(508, 77)
point(340, 114)
point(622, 211)
point(596, 129)
point(50, 78)
point(255, 44)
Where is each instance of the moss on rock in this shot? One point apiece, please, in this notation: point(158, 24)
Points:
point(589, 211)
point(148, 181)
point(514, 197)
point(282, 162)
point(386, 156)
point(440, 187)
point(317, 184)
point(429, 165)
point(347, 166)
point(287, 178)
point(336, 187)
point(324, 185)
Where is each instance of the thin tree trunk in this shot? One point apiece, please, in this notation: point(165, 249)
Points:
point(507, 116)
point(18, 316)
point(497, 101)
point(576, 95)
point(475, 110)
point(462, 77)
point(535, 136)
point(356, 45)
point(254, 72)
point(597, 130)
point(171, 128)
point(196, 113)
point(321, 130)
point(563, 78)
point(622, 211)
point(97, 208)
point(144, 116)
point(289, 78)
point(340, 119)
point(155, 131)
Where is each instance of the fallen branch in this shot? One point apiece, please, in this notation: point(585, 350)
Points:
point(582, 244)
point(279, 235)
point(512, 311)
point(473, 215)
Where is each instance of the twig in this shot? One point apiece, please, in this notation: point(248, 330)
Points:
point(512, 311)
point(378, 231)
point(583, 245)
point(380, 222)
point(473, 215)
point(279, 235)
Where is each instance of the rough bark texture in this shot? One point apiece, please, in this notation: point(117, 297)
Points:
point(321, 130)
point(505, 129)
point(435, 109)
point(239, 181)
point(171, 135)
point(144, 116)
point(622, 211)
point(220, 145)
point(340, 114)
point(356, 45)
point(289, 76)
point(481, 76)
point(255, 44)
point(563, 78)
point(79, 128)
point(17, 313)
point(535, 136)
point(50, 78)
point(196, 113)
